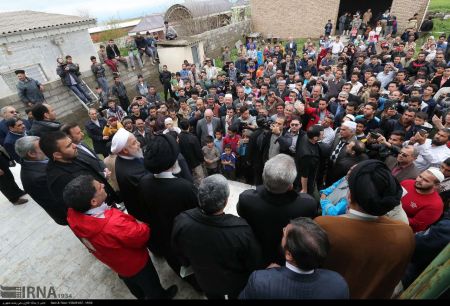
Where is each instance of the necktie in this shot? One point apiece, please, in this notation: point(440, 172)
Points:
point(336, 151)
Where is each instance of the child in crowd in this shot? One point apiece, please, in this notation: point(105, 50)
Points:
point(211, 156)
point(115, 110)
point(218, 141)
point(232, 139)
point(112, 127)
point(228, 163)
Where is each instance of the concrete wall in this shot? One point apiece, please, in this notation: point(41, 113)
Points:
point(307, 18)
point(20, 51)
point(67, 106)
point(216, 39)
point(174, 56)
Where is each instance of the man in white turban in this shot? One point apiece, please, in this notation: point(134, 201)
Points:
point(129, 168)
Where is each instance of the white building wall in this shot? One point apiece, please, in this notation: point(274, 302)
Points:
point(39, 48)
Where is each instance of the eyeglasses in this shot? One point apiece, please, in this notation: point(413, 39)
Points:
point(404, 154)
point(295, 124)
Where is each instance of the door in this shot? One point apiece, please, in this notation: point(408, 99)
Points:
point(195, 57)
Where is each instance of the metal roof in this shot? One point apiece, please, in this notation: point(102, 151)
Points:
point(201, 8)
point(26, 21)
point(154, 22)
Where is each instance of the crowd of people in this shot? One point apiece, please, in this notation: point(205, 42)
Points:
point(347, 144)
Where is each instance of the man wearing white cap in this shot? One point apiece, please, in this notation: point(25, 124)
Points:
point(168, 123)
point(129, 169)
point(421, 200)
point(345, 136)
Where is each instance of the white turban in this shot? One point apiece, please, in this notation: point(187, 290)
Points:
point(437, 173)
point(350, 124)
point(229, 96)
point(168, 120)
point(119, 140)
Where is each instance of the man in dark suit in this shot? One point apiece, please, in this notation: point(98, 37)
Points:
point(345, 136)
point(404, 168)
point(443, 80)
point(230, 119)
point(74, 132)
point(34, 178)
point(270, 207)
point(191, 150)
point(223, 259)
point(291, 47)
point(65, 164)
point(8, 185)
point(207, 126)
point(305, 245)
point(94, 128)
point(44, 120)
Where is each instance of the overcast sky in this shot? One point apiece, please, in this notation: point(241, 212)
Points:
point(103, 10)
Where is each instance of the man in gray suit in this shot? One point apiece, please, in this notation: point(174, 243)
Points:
point(404, 168)
point(345, 136)
point(207, 126)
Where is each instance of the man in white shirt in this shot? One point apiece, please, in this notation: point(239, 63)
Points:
point(356, 85)
point(431, 152)
point(336, 47)
point(328, 133)
point(387, 75)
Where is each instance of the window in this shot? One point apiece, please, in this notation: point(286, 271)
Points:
point(34, 72)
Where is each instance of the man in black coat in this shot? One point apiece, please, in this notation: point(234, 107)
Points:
point(64, 165)
point(8, 185)
point(308, 159)
point(34, 178)
point(44, 120)
point(191, 150)
point(129, 170)
point(270, 207)
point(94, 128)
point(163, 196)
point(221, 248)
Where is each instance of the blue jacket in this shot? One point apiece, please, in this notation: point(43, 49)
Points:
point(282, 283)
point(333, 209)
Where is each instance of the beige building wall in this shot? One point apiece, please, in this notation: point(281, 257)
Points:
point(297, 18)
point(307, 18)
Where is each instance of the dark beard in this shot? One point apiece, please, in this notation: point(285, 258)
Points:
point(424, 190)
point(437, 143)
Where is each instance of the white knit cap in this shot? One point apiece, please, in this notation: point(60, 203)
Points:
point(350, 124)
point(350, 116)
point(119, 140)
point(168, 120)
point(437, 173)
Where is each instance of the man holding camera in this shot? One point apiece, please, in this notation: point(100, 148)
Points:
point(70, 73)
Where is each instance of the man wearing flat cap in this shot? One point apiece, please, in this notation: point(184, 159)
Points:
point(370, 250)
point(29, 90)
point(163, 196)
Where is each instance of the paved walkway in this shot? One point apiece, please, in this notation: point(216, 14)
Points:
point(35, 251)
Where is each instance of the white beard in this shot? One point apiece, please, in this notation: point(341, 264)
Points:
point(138, 154)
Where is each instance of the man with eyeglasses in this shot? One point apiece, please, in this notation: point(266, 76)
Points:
point(6, 112)
point(403, 168)
point(290, 140)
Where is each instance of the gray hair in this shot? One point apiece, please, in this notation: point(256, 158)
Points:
point(24, 145)
point(4, 109)
point(279, 173)
point(213, 193)
point(415, 152)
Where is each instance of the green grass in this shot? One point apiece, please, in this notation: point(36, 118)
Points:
point(439, 26)
point(439, 6)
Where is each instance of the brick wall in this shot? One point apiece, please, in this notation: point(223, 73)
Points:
point(67, 106)
point(405, 9)
point(215, 40)
point(297, 18)
point(307, 18)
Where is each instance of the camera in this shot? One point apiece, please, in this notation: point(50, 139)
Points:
point(264, 123)
point(374, 135)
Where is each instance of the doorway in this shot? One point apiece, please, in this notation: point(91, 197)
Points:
point(378, 7)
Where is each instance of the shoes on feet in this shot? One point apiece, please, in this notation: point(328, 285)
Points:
point(171, 292)
point(20, 201)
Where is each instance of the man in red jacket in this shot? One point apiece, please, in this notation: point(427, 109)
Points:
point(316, 114)
point(115, 238)
point(421, 201)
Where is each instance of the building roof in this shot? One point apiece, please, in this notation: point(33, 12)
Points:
point(120, 25)
point(151, 23)
point(197, 9)
point(26, 21)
